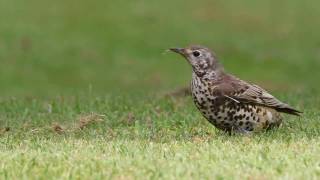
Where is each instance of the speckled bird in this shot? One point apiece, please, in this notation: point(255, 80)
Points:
point(227, 102)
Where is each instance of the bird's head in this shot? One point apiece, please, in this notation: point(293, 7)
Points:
point(202, 59)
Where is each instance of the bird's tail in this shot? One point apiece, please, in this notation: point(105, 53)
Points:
point(289, 110)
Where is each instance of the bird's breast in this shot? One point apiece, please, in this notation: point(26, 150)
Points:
point(202, 96)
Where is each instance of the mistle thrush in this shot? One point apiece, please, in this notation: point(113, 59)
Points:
point(228, 102)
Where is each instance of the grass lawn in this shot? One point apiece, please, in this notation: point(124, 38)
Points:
point(84, 84)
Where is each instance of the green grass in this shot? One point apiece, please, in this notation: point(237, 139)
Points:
point(83, 84)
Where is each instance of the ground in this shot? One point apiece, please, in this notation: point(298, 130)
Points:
point(84, 89)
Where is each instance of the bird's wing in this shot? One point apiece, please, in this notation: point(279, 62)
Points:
point(241, 91)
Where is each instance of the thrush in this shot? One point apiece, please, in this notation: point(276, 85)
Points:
point(227, 102)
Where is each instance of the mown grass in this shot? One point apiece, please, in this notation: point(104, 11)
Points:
point(127, 138)
point(83, 89)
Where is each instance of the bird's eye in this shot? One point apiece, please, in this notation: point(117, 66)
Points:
point(196, 53)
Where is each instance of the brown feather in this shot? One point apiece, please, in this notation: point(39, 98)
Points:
point(242, 91)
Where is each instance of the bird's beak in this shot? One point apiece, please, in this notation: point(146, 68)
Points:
point(178, 50)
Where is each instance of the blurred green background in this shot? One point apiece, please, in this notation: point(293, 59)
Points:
point(107, 47)
point(82, 85)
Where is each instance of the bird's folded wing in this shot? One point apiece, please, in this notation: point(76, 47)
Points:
point(251, 93)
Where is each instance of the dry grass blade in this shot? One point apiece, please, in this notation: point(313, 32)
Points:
point(86, 120)
point(130, 119)
point(58, 128)
point(4, 130)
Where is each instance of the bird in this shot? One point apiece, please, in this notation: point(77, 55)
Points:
point(227, 102)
